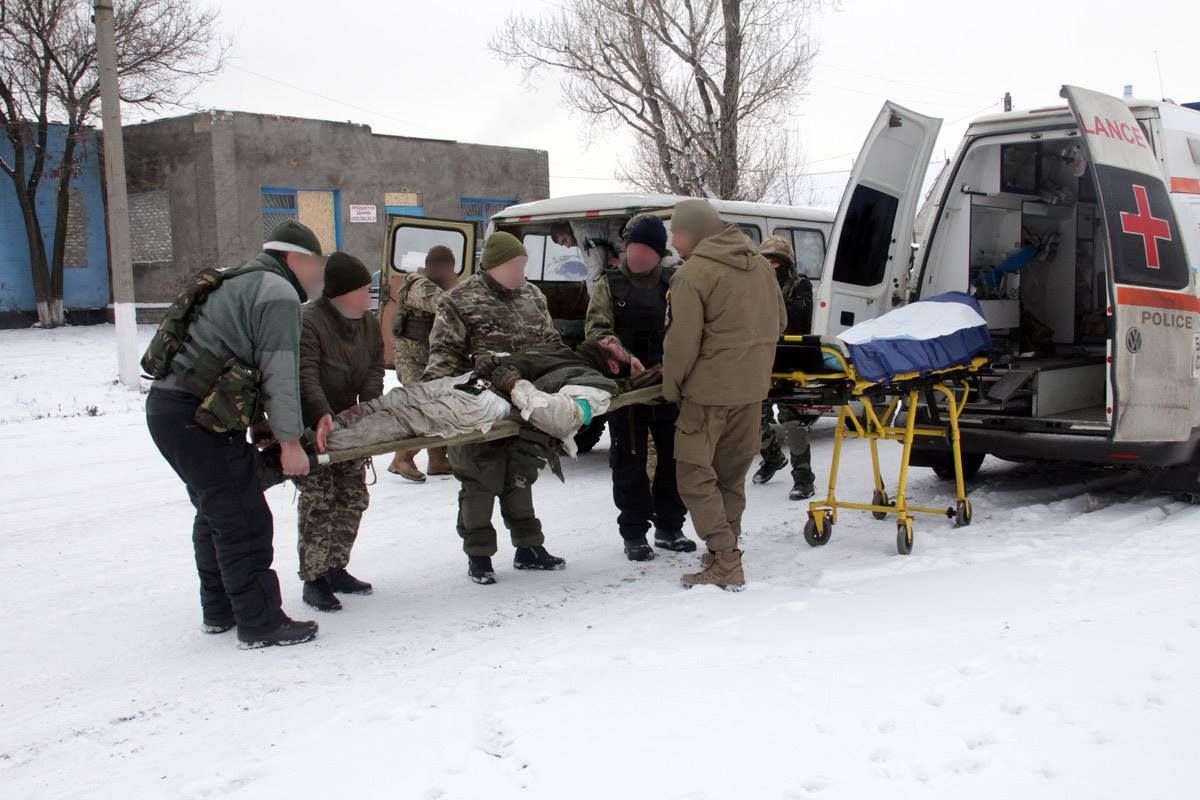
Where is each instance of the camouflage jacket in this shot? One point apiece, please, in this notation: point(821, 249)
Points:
point(480, 316)
point(798, 297)
point(417, 297)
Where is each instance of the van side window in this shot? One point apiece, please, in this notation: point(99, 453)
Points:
point(550, 261)
point(809, 246)
point(751, 231)
point(411, 242)
point(862, 252)
point(535, 245)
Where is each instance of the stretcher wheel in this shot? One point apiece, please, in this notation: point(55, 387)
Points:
point(962, 514)
point(880, 499)
point(817, 538)
point(904, 537)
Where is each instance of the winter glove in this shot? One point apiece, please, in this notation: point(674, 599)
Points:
point(504, 378)
point(485, 363)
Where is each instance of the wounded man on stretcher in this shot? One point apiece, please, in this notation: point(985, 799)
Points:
point(552, 387)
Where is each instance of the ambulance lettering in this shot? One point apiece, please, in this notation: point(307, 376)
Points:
point(1119, 131)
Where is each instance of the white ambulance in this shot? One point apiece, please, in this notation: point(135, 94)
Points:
point(1077, 227)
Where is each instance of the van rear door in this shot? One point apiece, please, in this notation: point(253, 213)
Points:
point(871, 244)
point(408, 240)
point(1154, 319)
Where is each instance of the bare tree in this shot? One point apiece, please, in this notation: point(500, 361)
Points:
point(48, 73)
point(703, 84)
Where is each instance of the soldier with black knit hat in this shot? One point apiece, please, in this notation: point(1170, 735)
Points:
point(629, 303)
point(341, 365)
point(252, 318)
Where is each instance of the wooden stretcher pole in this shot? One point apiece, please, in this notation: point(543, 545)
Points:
point(501, 430)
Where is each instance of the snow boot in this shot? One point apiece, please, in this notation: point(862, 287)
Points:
point(438, 464)
point(674, 541)
point(537, 558)
point(802, 491)
point(723, 570)
point(218, 624)
point(769, 467)
point(638, 549)
point(319, 594)
point(479, 570)
point(289, 632)
point(341, 581)
point(404, 466)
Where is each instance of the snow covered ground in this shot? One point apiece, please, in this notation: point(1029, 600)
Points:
point(1050, 650)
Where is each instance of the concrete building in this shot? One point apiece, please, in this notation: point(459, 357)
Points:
point(205, 189)
point(85, 263)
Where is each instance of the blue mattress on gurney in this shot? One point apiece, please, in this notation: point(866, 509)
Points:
point(938, 333)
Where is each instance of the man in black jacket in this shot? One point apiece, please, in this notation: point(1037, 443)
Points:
point(630, 304)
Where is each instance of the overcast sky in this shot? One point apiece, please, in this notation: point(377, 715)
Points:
point(422, 68)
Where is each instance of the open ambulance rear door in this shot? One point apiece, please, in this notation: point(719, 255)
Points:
point(1153, 306)
point(872, 235)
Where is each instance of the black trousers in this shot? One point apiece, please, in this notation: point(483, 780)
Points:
point(639, 502)
point(233, 532)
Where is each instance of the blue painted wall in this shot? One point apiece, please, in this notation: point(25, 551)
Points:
point(84, 287)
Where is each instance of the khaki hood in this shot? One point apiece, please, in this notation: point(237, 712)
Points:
point(730, 247)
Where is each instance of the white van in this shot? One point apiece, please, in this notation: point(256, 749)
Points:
point(588, 233)
point(1077, 227)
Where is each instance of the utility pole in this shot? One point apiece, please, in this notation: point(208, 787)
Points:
point(120, 259)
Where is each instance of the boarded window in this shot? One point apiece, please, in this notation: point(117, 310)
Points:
point(150, 236)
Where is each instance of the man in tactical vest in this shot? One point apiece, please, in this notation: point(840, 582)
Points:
point(793, 425)
point(248, 324)
point(417, 299)
point(630, 304)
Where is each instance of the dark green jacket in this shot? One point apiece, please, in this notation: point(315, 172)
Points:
point(550, 367)
point(341, 360)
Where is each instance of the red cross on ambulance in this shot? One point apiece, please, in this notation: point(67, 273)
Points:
point(1146, 225)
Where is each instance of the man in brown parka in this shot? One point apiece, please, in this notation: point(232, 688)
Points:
point(725, 316)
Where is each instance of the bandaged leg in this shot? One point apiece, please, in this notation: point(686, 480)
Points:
point(561, 414)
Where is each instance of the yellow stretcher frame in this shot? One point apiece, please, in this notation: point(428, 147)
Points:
point(869, 424)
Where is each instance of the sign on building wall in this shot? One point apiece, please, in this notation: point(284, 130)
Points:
point(367, 214)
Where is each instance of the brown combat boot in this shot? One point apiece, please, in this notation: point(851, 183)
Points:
point(404, 466)
point(723, 570)
point(439, 464)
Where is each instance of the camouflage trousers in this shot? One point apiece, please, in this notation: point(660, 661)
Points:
point(792, 429)
point(332, 502)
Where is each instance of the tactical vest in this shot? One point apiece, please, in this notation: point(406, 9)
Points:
point(640, 315)
point(411, 323)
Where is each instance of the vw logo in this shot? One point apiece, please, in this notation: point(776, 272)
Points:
point(1133, 340)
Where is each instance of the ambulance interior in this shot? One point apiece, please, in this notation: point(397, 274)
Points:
point(1022, 233)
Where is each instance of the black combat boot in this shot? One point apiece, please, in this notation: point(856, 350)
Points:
point(288, 633)
point(802, 491)
point(674, 541)
point(638, 549)
point(214, 623)
point(479, 569)
point(319, 594)
point(775, 462)
point(341, 581)
point(536, 557)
